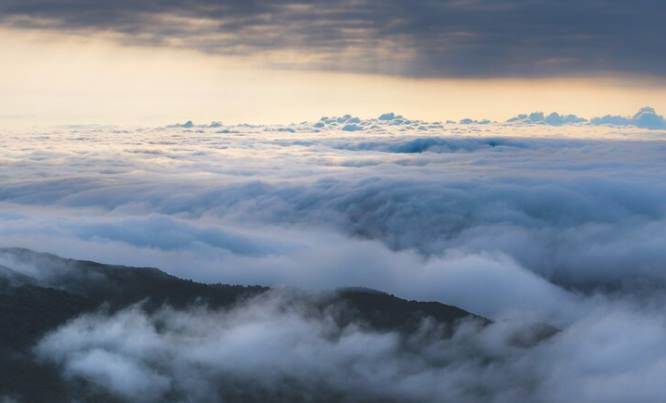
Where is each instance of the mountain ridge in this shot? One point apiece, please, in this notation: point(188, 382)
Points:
point(59, 290)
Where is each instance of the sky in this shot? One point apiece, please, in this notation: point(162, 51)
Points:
point(154, 62)
point(323, 144)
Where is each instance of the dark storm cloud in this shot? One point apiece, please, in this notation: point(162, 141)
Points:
point(449, 38)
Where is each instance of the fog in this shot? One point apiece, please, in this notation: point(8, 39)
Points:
point(614, 354)
point(522, 223)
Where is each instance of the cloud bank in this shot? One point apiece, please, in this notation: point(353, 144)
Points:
point(646, 118)
point(522, 223)
point(257, 195)
point(481, 38)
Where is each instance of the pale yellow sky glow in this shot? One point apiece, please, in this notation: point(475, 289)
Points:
point(53, 79)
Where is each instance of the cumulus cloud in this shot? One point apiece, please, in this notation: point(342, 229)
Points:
point(381, 124)
point(387, 123)
point(468, 121)
point(646, 118)
point(553, 119)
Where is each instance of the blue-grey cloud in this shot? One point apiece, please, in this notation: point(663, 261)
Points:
point(553, 119)
point(646, 118)
point(209, 355)
point(435, 144)
point(580, 213)
point(426, 38)
point(507, 220)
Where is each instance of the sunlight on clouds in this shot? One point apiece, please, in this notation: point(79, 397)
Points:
point(272, 201)
point(61, 79)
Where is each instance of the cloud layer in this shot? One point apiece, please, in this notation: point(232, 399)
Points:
point(233, 198)
point(522, 223)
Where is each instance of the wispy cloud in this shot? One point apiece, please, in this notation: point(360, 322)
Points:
point(283, 350)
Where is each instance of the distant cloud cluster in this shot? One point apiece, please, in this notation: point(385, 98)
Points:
point(450, 38)
point(646, 118)
point(351, 123)
point(553, 119)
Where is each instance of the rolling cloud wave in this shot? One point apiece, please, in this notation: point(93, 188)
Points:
point(508, 221)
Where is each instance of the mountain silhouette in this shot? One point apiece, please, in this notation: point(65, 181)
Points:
point(40, 292)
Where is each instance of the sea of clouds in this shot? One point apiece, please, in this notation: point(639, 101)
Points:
point(522, 222)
